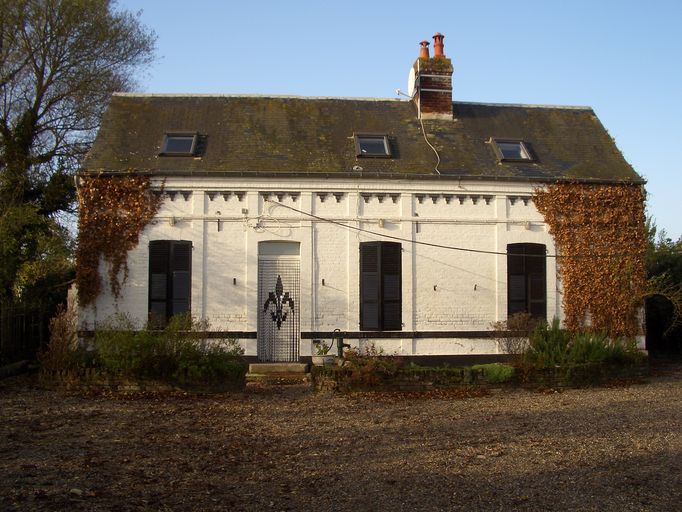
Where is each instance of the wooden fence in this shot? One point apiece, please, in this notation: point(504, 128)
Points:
point(24, 330)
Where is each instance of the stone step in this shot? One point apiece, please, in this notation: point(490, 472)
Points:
point(278, 378)
point(298, 369)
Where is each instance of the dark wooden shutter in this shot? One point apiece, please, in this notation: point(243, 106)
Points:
point(391, 264)
point(536, 270)
point(526, 279)
point(181, 271)
point(380, 286)
point(170, 279)
point(370, 286)
point(517, 294)
point(516, 279)
point(159, 252)
point(537, 295)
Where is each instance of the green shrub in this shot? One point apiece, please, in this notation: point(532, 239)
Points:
point(496, 373)
point(370, 366)
point(120, 348)
point(175, 353)
point(598, 348)
point(552, 346)
point(547, 346)
point(215, 361)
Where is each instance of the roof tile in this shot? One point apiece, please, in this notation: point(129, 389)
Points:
point(293, 135)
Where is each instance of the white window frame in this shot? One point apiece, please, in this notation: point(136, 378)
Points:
point(177, 135)
point(527, 155)
point(376, 136)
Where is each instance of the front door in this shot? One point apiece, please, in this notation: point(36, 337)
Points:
point(279, 314)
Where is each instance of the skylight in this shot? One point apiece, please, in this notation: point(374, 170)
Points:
point(179, 144)
point(512, 151)
point(372, 146)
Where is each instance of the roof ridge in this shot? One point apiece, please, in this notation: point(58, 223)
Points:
point(524, 105)
point(341, 98)
point(222, 95)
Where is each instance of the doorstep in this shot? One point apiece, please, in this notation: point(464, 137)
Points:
point(278, 373)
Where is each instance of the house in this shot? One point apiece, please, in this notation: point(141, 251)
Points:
point(407, 223)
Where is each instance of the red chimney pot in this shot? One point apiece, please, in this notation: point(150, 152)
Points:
point(438, 46)
point(424, 50)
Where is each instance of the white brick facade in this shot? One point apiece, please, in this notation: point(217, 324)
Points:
point(442, 289)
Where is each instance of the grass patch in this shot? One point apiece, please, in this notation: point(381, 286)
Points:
point(496, 373)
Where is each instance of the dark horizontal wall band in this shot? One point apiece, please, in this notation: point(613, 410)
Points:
point(357, 335)
point(212, 335)
point(201, 334)
point(450, 360)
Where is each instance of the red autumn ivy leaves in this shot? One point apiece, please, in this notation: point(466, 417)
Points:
point(113, 212)
point(601, 240)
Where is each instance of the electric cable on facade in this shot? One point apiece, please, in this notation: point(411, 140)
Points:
point(439, 246)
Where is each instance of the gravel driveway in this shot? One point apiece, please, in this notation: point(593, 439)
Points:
point(288, 449)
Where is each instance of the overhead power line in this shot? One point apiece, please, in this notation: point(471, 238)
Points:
point(439, 246)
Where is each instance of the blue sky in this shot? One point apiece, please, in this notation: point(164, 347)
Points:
point(623, 58)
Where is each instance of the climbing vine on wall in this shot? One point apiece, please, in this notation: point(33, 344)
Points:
point(601, 240)
point(113, 212)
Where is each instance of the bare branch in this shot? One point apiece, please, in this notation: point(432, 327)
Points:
point(60, 61)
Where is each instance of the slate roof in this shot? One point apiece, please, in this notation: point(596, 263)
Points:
point(271, 135)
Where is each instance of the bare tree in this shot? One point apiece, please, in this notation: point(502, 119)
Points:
point(60, 61)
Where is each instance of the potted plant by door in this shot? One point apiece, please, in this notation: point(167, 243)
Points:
point(321, 356)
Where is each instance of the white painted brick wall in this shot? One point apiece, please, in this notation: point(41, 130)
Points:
point(331, 264)
point(470, 288)
point(225, 254)
point(445, 279)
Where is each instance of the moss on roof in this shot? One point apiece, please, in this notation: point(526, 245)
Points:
point(272, 135)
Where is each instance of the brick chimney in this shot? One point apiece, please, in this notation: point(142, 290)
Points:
point(433, 81)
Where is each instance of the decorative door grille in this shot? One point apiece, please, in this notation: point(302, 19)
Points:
point(279, 309)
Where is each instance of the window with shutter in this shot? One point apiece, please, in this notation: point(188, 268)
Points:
point(181, 258)
point(170, 279)
point(526, 279)
point(380, 286)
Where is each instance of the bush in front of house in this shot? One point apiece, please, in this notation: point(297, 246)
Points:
point(369, 366)
point(512, 334)
point(496, 373)
point(176, 353)
point(551, 346)
point(217, 361)
point(63, 354)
